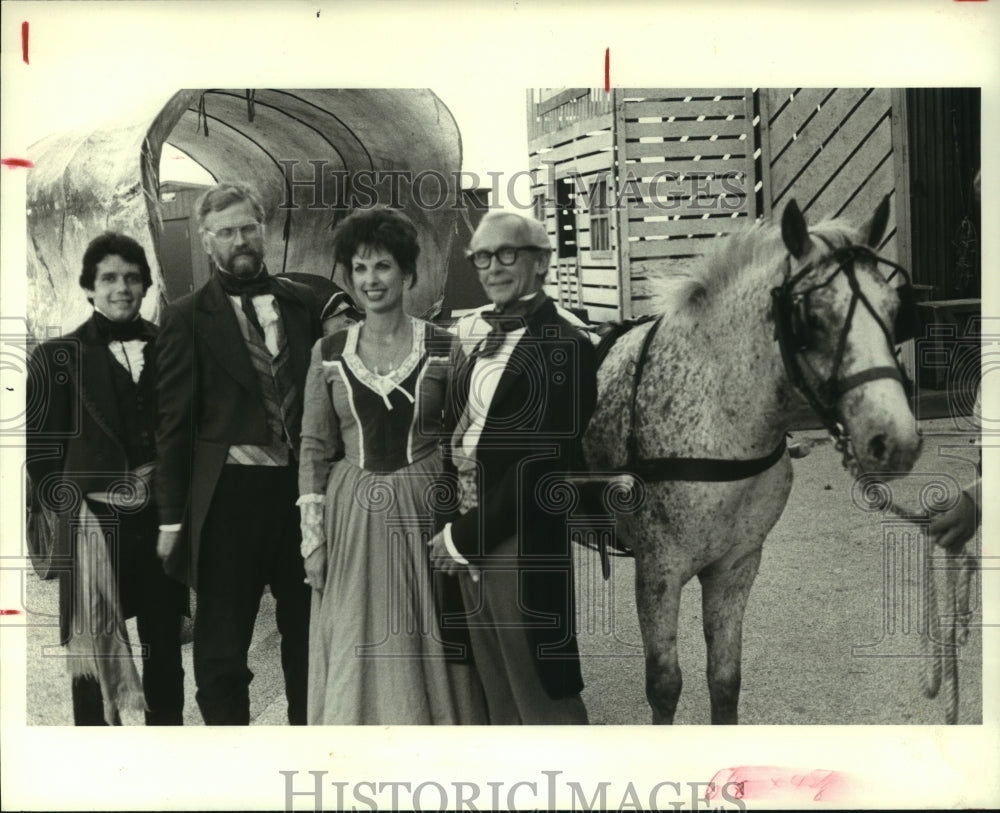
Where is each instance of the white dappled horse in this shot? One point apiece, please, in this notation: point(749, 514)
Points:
point(698, 402)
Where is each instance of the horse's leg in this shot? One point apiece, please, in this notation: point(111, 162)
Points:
point(658, 593)
point(725, 586)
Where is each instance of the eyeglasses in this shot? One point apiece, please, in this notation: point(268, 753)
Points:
point(506, 256)
point(228, 234)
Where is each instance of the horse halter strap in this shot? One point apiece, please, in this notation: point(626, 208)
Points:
point(788, 305)
point(690, 469)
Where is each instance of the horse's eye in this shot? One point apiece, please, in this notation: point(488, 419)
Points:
point(806, 325)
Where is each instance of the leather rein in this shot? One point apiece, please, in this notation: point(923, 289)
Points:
point(693, 469)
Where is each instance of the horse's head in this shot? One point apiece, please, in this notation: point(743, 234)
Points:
point(838, 318)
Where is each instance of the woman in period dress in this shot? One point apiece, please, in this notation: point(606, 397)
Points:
point(370, 458)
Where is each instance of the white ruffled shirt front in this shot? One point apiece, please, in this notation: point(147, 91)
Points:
point(130, 355)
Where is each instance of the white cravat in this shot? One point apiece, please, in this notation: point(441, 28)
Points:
point(130, 355)
point(483, 382)
point(267, 315)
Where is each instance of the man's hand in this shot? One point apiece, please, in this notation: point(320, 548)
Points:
point(953, 528)
point(165, 544)
point(442, 560)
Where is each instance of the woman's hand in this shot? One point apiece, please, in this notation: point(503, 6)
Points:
point(316, 568)
point(313, 546)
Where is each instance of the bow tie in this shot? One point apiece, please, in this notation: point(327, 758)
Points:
point(113, 331)
point(255, 286)
point(501, 323)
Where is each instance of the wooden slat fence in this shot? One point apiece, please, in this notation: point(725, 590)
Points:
point(831, 149)
point(687, 171)
point(689, 165)
point(567, 164)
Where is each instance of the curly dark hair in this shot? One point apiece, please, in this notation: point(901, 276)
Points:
point(381, 228)
point(109, 244)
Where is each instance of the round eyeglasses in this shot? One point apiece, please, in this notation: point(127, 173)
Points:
point(506, 256)
point(228, 234)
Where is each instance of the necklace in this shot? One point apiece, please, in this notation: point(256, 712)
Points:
point(384, 356)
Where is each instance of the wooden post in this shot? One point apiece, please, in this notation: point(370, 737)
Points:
point(765, 151)
point(751, 173)
point(901, 167)
point(622, 207)
point(901, 207)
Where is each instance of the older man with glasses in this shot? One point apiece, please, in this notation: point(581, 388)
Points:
point(233, 359)
point(521, 398)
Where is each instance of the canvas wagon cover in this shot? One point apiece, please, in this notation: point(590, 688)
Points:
point(107, 177)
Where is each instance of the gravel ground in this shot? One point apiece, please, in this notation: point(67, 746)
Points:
point(817, 647)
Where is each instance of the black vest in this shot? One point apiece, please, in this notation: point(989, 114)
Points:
point(136, 408)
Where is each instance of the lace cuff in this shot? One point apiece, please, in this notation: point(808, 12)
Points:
point(311, 523)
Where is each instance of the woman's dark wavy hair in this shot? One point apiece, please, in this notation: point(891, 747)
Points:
point(380, 228)
point(109, 244)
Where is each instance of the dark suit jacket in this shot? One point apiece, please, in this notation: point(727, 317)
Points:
point(74, 430)
point(210, 399)
point(540, 410)
point(75, 434)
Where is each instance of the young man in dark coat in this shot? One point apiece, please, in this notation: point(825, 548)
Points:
point(91, 446)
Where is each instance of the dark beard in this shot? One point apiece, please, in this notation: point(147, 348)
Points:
point(245, 273)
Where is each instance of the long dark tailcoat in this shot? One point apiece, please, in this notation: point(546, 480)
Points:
point(210, 399)
point(534, 427)
point(75, 435)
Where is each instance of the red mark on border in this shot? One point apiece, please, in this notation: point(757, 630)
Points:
point(607, 70)
point(17, 163)
point(10, 612)
point(24, 41)
point(762, 782)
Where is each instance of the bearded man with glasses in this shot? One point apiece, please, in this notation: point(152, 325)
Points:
point(233, 360)
point(523, 390)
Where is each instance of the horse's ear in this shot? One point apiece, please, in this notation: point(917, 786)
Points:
point(876, 226)
point(794, 232)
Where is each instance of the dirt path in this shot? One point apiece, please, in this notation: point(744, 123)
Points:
point(819, 647)
point(814, 620)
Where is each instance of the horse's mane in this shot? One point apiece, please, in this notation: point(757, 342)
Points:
point(728, 259)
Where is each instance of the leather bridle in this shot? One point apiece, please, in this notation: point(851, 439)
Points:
point(790, 310)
